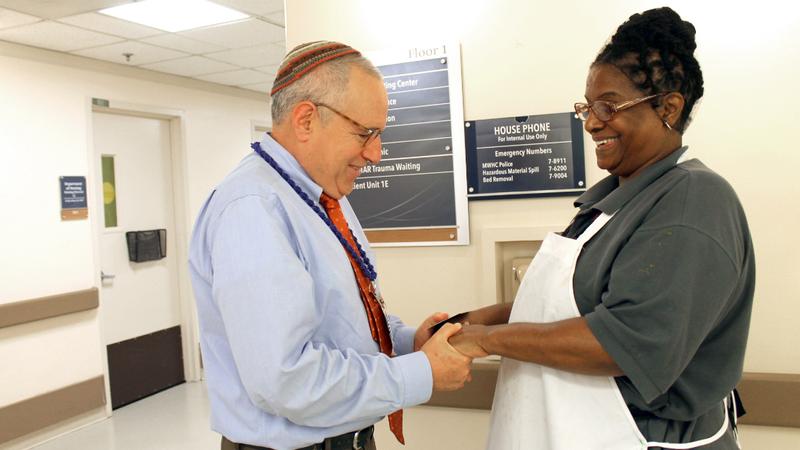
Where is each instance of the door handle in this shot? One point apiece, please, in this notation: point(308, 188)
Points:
point(106, 276)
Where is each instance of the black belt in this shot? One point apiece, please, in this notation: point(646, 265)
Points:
point(355, 440)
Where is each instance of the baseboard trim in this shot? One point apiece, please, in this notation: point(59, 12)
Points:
point(42, 411)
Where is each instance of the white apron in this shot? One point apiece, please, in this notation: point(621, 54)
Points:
point(537, 407)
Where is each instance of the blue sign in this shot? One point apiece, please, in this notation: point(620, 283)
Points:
point(73, 192)
point(528, 156)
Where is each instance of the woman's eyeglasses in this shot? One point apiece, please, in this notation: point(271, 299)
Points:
point(368, 135)
point(604, 111)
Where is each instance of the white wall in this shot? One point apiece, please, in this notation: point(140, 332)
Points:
point(531, 57)
point(45, 132)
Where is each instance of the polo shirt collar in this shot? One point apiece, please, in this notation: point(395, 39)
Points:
point(291, 166)
point(609, 196)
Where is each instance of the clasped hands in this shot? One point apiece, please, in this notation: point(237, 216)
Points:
point(450, 350)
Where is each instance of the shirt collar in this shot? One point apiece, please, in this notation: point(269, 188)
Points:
point(609, 196)
point(291, 166)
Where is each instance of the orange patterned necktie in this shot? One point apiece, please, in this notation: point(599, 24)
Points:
point(377, 320)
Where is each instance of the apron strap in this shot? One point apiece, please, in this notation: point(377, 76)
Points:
point(700, 442)
point(603, 218)
point(594, 228)
point(737, 411)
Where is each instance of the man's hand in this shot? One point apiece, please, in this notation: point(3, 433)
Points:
point(450, 368)
point(468, 341)
point(423, 332)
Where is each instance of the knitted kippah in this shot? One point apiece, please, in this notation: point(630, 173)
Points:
point(304, 58)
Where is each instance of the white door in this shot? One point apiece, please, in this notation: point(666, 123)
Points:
point(137, 298)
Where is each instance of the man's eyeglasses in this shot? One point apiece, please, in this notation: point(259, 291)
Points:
point(604, 111)
point(367, 136)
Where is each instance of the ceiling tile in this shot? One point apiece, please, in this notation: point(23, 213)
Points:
point(260, 55)
point(256, 7)
point(55, 9)
point(260, 87)
point(277, 18)
point(56, 36)
point(10, 18)
point(237, 77)
point(184, 44)
point(141, 53)
point(244, 33)
point(190, 67)
point(110, 25)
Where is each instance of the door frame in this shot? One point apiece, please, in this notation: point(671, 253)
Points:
point(178, 157)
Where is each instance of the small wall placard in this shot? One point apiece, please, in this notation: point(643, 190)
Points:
point(526, 156)
point(73, 198)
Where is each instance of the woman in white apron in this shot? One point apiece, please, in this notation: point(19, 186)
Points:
point(629, 328)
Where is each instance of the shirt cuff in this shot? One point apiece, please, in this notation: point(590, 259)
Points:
point(601, 323)
point(404, 340)
point(417, 378)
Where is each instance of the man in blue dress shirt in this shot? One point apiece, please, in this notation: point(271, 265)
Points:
point(289, 344)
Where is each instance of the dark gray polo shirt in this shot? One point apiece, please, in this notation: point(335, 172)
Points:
point(667, 288)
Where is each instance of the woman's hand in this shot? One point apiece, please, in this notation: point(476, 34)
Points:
point(490, 315)
point(469, 340)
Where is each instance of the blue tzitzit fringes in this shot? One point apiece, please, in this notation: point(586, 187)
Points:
point(360, 257)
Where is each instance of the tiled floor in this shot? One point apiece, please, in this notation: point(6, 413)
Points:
point(176, 419)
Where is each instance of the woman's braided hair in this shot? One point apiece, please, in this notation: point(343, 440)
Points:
point(655, 50)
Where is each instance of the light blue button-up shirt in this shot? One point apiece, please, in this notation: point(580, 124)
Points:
point(287, 350)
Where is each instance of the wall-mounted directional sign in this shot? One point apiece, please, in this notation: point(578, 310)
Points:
point(416, 194)
point(525, 156)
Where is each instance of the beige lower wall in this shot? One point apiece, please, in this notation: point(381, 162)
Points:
point(50, 409)
point(433, 428)
point(755, 438)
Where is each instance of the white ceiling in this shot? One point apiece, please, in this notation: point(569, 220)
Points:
point(243, 54)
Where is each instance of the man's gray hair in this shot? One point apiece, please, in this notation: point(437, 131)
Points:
point(326, 84)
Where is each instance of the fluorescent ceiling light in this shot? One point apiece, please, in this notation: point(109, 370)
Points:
point(174, 15)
